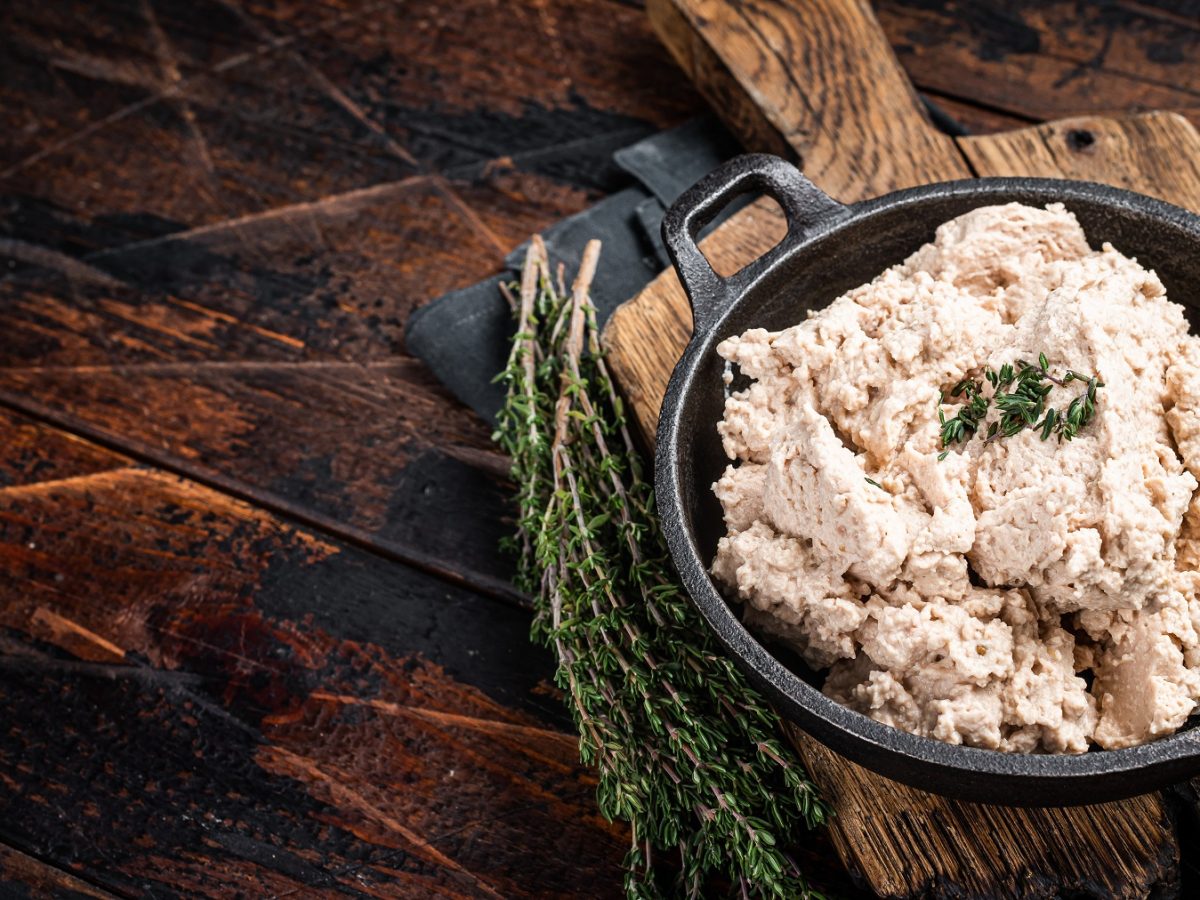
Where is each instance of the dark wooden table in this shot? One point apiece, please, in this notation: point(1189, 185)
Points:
point(256, 633)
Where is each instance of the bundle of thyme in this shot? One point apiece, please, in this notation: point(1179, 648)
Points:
point(685, 749)
point(1019, 393)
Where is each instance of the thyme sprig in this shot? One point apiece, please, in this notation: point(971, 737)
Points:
point(686, 751)
point(1019, 394)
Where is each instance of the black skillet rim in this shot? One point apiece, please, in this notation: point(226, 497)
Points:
point(863, 735)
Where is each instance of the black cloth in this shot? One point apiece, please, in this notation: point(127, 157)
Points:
point(463, 336)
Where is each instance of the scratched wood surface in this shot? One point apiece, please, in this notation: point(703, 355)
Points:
point(255, 635)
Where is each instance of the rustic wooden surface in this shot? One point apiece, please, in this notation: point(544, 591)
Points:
point(909, 843)
point(255, 635)
point(772, 85)
point(790, 68)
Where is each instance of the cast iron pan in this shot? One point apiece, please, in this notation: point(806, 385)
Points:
point(830, 248)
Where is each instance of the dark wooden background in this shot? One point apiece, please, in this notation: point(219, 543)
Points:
point(255, 633)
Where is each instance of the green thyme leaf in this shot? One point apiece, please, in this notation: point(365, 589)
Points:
point(1024, 406)
point(685, 749)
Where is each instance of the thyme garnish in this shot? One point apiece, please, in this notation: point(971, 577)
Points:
point(874, 482)
point(1019, 394)
point(685, 749)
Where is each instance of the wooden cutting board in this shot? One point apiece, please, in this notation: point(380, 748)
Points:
point(816, 81)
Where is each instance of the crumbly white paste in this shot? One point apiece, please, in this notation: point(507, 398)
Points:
point(1083, 552)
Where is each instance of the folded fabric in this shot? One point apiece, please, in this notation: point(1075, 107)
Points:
point(463, 335)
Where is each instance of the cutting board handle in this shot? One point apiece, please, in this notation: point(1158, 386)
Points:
point(802, 202)
point(815, 80)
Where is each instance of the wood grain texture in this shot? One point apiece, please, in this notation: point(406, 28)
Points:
point(210, 701)
point(1053, 59)
point(943, 848)
point(266, 353)
point(446, 82)
point(280, 676)
point(904, 843)
point(1155, 153)
point(716, 82)
point(24, 876)
point(215, 219)
point(970, 118)
point(170, 132)
point(854, 92)
point(182, 115)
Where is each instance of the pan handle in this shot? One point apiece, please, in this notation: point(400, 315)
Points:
point(803, 203)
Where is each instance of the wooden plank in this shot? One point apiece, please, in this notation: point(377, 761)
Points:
point(1051, 60)
point(971, 117)
point(270, 190)
point(713, 78)
point(168, 793)
point(263, 354)
point(1156, 153)
point(33, 454)
point(23, 876)
point(171, 133)
point(183, 115)
point(907, 843)
point(432, 76)
point(177, 536)
point(212, 700)
point(857, 96)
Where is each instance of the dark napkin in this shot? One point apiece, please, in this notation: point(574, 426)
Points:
point(463, 335)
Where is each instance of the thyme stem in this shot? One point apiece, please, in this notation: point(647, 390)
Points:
point(685, 749)
point(1024, 406)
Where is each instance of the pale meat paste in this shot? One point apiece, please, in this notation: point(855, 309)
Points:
point(1021, 594)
